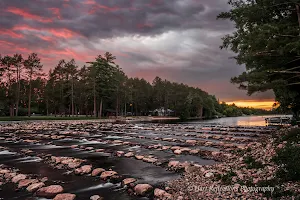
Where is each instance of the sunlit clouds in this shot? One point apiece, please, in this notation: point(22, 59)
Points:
point(178, 40)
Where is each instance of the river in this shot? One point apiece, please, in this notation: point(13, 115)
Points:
point(239, 121)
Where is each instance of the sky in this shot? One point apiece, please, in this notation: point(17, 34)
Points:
point(177, 40)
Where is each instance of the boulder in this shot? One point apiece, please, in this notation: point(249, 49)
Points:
point(50, 191)
point(18, 177)
point(65, 196)
point(97, 171)
point(142, 189)
point(107, 174)
point(161, 194)
point(35, 186)
point(127, 181)
point(26, 182)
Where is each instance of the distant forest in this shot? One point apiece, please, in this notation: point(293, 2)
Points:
point(99, 88)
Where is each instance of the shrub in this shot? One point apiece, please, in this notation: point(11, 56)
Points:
point(252, 163)
point(288, 160)
point(292, 136)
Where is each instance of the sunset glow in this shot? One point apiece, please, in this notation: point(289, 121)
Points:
point(176, 40)
point(267, 104)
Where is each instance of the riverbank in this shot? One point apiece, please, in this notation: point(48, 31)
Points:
point(259, 170)
point(84, 118)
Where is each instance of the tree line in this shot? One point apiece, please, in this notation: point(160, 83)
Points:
point(99, 88)
point(266, 41)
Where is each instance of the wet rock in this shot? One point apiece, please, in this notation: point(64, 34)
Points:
point(89, 148)
point(177, 151)
point(185, 149)
point(192, 142)
point(10, 175)
point(26, 182)
point(115, 178)
point(215, 153)
point(142, 189)
point(65, 196)
point(96, 197)
point(127, 181)
point(4, 171)
point(165, 147)
point(129, 154)
point(35, 186)
point(44, 179)
point(50, 191)
point(107, 174)
point(74, 165)
point(97, 171)
point(139, 157)
point(120, 153)
point(175, 148)
point(173, 164)
point(149, 160)
point(194, 151)
point(67, 161)
point(19, 177)
point(161, 194)
point(85, 169)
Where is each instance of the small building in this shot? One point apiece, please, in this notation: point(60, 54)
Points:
point(162, 112)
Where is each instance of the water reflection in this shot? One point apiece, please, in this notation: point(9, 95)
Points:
point(240, 121)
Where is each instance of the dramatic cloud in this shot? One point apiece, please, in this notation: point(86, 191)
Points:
point(176, 39)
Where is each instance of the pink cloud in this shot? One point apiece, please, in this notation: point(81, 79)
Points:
point(27, 15)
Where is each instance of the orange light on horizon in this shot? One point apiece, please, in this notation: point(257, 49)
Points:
point(264, 104)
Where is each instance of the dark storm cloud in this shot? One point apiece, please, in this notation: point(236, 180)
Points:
point(176, 39)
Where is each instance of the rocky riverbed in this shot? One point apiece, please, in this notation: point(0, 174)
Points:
point(91, 160)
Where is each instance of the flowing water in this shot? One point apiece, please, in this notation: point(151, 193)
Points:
point(145, 139)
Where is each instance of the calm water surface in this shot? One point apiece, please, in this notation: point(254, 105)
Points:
point(240, 121)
